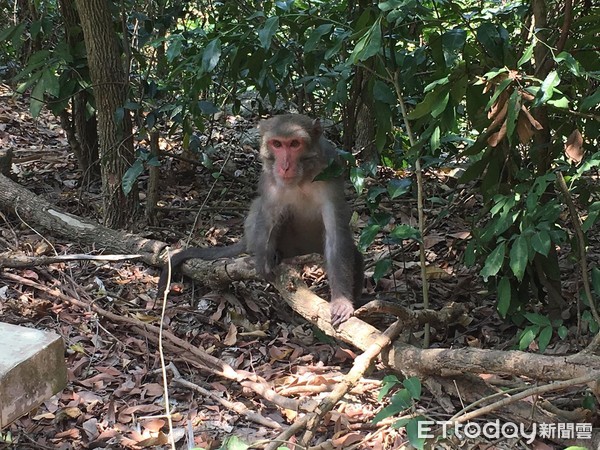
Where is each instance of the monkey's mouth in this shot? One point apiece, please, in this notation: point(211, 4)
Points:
point(288, 179)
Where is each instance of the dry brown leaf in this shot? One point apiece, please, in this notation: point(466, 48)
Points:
point(433, 272)
point(231, 337)
point(527, 96)
point(499, 108)
point(574, 146)
point(535, 123)
point(495, 138)
point(524, 129)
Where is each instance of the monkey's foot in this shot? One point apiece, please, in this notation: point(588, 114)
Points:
point(341, 309)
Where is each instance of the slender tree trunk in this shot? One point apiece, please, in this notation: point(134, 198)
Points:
point(80, 128)
point(358, 114)
point(543, 153)
point(114, 124)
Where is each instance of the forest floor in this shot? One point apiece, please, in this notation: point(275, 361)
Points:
point(115, 397)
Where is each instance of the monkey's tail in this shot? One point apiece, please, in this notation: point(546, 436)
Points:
point(208, 254)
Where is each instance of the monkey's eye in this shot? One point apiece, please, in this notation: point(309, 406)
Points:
point(275, 143)
point(295, 143)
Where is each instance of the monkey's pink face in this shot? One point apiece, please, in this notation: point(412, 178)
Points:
point(287, 152)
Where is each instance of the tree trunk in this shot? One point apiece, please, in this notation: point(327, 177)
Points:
point(81, 130)
point(110, 91)
point(358, 114)
point(544, 151)
point(364, 130)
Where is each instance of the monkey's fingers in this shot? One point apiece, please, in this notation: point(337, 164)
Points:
point(341, 309)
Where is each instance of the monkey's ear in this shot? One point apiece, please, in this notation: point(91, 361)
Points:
point(317, 128)
point(262, 126)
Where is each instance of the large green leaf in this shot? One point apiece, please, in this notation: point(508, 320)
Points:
point(504, 296)
point(494, 262)
point(519, 256)
point(452, 44)
point(316, 35)
point(36, 101)
point(211, 55)
point(369, 45)
point(541, 242)
point(266, 33)
point(547, 88)
point(590, 102)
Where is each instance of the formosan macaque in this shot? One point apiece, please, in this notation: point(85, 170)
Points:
point(294, 215)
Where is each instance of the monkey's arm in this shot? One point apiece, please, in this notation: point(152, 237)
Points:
point(345, 265)
point(209, 254)
point(262, 230)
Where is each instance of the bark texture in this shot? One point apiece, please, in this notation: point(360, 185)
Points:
point(114, 124)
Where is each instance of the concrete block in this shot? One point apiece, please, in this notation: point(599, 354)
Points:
point(32, 369)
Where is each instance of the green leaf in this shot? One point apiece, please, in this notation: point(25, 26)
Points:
point(174, 48)
point(492, 41)
point(397, 187)
point(452, 43)
point(527, 54)
point(541, 242)
point(367, 236)
point(501, 87)
point(369, 45)
point(388, 382)
point(8, 33)
point(527, 336)
point(316, 35)
point(357, 178)
point(266, 33)
point(470, 253)
point(431, 102)
point(36, 100)
point(374, 192)
point(519, 256)
point(233, 443)
point(413, 386)
point(547, 88)
point(544, 338)
point(590, 102)
point(207, 107)
point(596, 281)
point(402, 232)
point(494, 262)
point(504, 296)
point(390, 4)
point(130, 177)
point(383, 93)
point(211, 55)
point(399, 402)
point(434, 141)
point(412, 432)
point(440, 106)
point(35, 28)
point(562, 332)
point(382, 267)
point(571, 63)
point(537, 319)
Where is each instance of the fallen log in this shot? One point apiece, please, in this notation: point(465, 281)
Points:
point(400, 357)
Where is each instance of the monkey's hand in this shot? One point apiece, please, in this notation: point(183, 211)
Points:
point(341, 309)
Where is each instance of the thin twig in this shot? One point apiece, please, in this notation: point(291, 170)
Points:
point(562, 185)
point(420, 201)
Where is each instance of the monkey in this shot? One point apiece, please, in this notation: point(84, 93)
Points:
point(294, 214)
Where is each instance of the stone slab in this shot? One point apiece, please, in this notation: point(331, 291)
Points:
point(32, 369)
